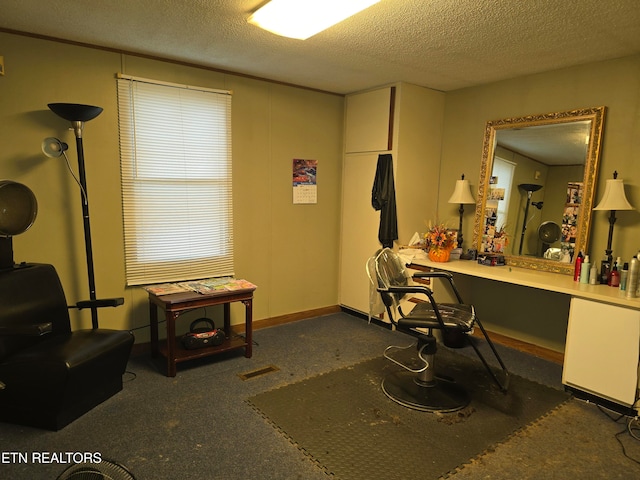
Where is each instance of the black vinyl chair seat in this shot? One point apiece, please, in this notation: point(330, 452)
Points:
point(454, 316)
point(49, 374)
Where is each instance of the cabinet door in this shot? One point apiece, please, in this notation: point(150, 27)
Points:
point(369, 120)
point(601, 354)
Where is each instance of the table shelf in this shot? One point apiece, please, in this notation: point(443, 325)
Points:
point(181, 354)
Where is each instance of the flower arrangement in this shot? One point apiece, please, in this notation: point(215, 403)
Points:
point(495, 240)
point(501, 235)
point(439, 237)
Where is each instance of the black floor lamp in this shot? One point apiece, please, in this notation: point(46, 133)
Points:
point(529, 188)
point(52, 147)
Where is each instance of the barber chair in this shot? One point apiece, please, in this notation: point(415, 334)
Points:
point(50, 375)
point(417, 385)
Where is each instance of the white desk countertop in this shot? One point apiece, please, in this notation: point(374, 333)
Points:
point(553, 282)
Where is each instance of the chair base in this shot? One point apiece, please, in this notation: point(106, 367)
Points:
point(442, 395)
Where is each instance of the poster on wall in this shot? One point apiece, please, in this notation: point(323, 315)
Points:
point(305, 187)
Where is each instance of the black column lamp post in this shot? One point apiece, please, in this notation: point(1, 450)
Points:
point(529, 188)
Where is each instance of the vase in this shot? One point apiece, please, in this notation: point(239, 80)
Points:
point(439, 254)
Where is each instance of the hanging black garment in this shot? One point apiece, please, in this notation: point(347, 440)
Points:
point(383, 198)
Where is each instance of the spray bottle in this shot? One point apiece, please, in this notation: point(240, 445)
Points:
point(578, 267)
point(623, 276)
point(585, 270)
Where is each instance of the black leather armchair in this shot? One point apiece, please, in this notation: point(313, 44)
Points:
point(50, 375)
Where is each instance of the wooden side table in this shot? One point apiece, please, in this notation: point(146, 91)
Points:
point(175, 304)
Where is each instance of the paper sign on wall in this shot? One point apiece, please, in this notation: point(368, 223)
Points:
point(305, 187)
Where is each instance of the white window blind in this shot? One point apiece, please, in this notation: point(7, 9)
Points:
point(175, 153)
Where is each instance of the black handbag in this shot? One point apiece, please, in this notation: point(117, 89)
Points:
point(205, 336)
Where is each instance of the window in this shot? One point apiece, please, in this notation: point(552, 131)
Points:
point(503, 172)
point(175, 154)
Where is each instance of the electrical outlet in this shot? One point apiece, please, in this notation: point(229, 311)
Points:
point(1, 65)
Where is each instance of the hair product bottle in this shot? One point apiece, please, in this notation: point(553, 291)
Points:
point(593, 275)
point(605, 270)
point(578, 267)
point(623, 276)
point(585, 270)
point(632, 279)
point(614, 277)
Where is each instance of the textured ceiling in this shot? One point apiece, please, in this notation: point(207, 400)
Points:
point(440, 44)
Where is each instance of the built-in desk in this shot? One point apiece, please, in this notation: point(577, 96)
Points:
point(602, 348)
point(553, 282)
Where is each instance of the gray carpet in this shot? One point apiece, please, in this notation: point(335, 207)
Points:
point(341, 420)
point(198, 425)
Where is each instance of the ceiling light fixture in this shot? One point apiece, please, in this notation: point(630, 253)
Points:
point(302, 19)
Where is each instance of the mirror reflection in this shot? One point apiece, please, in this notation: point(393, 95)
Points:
point(536, 188)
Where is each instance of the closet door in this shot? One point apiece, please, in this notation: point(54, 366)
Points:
point(360, 224)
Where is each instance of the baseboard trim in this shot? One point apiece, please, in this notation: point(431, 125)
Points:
point(535, 350)
point(291, 317)
point(145, 348)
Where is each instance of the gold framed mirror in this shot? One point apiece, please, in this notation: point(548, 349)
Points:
point(536, 189)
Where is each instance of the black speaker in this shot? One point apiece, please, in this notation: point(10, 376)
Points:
point(204, 336)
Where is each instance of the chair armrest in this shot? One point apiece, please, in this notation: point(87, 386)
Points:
point(447, 275)
point(105, 302)
point(408, 289)
point(34, 330)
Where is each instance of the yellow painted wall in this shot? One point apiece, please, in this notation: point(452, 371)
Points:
point(614, 84)
point(289, 251)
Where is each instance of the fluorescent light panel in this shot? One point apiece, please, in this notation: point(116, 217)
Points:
point(302, 19)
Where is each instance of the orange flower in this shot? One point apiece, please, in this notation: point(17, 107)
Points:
point(438, 236)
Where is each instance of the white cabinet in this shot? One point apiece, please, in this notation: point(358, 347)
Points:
point(405, 121)
point(368, 121)
point(602, 350)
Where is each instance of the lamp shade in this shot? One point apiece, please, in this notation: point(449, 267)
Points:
point(614, 197)
point(53, 148)
point(530, 187)
point(462, 193)
point(75, 112)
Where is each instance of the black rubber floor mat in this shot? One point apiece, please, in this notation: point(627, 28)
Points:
point(346, 424)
